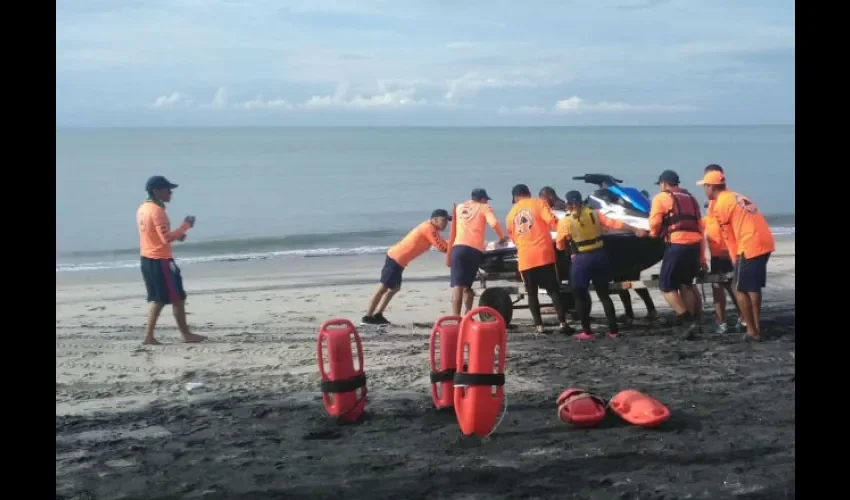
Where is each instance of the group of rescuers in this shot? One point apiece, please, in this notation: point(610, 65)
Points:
point(739, 242)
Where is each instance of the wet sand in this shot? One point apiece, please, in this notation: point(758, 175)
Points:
point(240, 416)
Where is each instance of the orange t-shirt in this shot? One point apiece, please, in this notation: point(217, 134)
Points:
point(565, 228)
point(471, 220)
point(530, 224)
point(155, 234)
point(417, 242)
point(743, 226)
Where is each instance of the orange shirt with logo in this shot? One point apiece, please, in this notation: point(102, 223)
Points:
point(471, 220)
point(565, 228)
point(743, 226)
point(530, 224)
point(418, 241)
point(155, 234)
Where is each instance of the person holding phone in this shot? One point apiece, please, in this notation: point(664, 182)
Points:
point(161, 275)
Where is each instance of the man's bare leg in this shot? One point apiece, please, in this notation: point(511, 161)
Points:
point(675, 301)
point(691, 299)
point(154, 311)
point(457, 300)
point(746, 307)
point(388, 296)
point(755, 299)
point(376, 299)
point(468, 297)
point(179, 309)
point(719, 304)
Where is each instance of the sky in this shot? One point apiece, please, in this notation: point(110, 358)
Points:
point(424, 62)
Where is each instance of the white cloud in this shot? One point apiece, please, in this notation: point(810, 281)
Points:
point(471, 83)
point(384, 98)
point(173, 100)
point(274, 104)
point(578, 106)
point(219, 100)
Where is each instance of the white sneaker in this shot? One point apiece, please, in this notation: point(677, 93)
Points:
point(721, 328)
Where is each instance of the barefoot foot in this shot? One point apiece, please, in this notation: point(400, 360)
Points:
point(192, 338)
point(151, 342)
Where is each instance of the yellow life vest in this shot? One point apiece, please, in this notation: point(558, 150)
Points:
point(585, 231)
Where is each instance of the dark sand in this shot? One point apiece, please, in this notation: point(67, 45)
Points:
point(731, 434)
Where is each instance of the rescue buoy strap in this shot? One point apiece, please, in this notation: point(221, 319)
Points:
point(344, 385)
point(444, 376)
point(479, 379)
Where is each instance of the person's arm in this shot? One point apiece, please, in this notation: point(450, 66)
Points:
point(702, 259)
point(436, 239)
point(548, 216)
point(722, 210)
point(616, 224)
point(163, 227)
point(563, 234)
point(494, 223)
point(656, 214)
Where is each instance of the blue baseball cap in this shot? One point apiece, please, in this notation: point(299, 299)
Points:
point(668, 176)
point(573, 198)
point(441, 213)
point(159, 182)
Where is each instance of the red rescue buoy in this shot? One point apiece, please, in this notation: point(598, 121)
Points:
point(580, 408)
point(480, 343)
point(341, 382)
point(444, 338)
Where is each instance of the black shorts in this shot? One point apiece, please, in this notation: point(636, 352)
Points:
point(391, 274)
point(679, 266)
point(751, 274)
point(721, 265)
point(464, 265)
point(545, 277)
point(163, 281)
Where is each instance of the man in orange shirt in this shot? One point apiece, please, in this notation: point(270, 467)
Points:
point(583, 229)
point(720, 263)
point(162, 277)
point(675, 217)
point(530, 224)
point(750, 243)
point(399, 256)
point(473, 217)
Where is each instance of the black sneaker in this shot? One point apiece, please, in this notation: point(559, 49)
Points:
point(367, 320)
point(379, 319)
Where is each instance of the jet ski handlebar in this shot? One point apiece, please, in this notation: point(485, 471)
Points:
point(598, 179)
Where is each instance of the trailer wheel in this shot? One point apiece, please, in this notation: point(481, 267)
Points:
point(500, 300)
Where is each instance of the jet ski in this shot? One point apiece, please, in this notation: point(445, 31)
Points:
point(628, 254)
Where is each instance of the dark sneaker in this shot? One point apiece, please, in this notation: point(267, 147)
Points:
point(379, 319)
point(652, 315)
point(367, 320)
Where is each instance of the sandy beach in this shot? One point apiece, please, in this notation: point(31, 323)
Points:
point(239, 417)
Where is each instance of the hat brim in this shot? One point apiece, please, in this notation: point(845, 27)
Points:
point(702, 183)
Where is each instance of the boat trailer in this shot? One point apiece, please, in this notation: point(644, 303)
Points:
point(501, 297)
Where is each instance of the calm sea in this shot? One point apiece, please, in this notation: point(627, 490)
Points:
point(268, 192)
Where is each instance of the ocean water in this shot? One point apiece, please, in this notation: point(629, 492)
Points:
point(269, 192)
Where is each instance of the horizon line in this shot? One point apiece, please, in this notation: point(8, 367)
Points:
point(131, 127)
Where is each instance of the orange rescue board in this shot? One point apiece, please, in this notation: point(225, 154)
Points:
point(452, 235)
point(580, 408)
point(637, 408)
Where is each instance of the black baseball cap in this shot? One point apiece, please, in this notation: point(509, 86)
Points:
point(159, 182)
point(668, 176)
point(480, 194)
point(520, 190)
point(441, 213)
point(573, 198)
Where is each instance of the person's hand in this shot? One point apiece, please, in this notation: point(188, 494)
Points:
point(640, 233)
point(703, 267)
point(190, 219)
point(572, 257)
point(503, 240)
point(181, 238)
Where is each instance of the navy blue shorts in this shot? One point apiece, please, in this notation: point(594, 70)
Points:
point(679, 266)
point(163, 281)
point(391, 274)
point(751, 274)
point(722, 265)
point(464, 265)
point(590, 267)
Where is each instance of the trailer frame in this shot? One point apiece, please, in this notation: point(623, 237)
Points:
point(501, 298)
